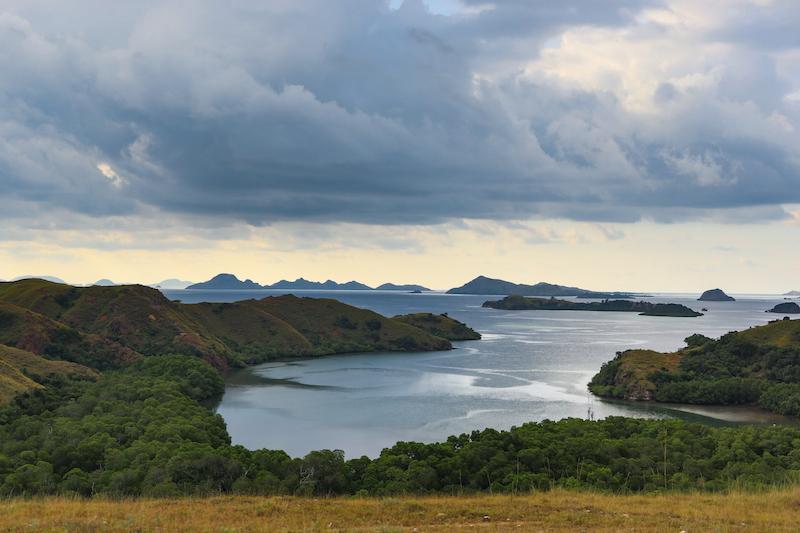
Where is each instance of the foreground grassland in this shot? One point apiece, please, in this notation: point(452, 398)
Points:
point(557, 510)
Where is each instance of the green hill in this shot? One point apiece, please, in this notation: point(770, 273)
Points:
point(759, 366)
point(441, 326)
point(21, 371)
point(105, 327)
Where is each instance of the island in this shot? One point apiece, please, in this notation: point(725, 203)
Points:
point(225, 282)
point(715, 295)
point(407, 288)
point(231, 282)
point(786, 308)
point(489, 286)
point(792, 293)
point(520, 303)
point(757, 367)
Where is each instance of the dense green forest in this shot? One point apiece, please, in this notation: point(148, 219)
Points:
point(147, 430)
point(759, 366)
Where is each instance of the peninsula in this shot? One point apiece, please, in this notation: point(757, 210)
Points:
point(757, 366)
point(105, 327)
point(520, 303)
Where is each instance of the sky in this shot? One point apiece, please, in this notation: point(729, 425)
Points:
point(614, 145)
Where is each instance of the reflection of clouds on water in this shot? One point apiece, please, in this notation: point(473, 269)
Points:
point(435, 425)
point(464, 385)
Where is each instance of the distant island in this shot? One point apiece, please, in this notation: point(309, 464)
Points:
point(757, 366)
point(226, 282)
point(792, 293)
point(104, 283)
point(172, 283)
point(408, 288)
point(231, 282)
point(522, 303)
point(787, 308)
point(490, 286)
point(715, 295)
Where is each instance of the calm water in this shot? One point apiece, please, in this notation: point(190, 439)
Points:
point(530, 365)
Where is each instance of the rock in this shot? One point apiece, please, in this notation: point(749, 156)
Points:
point(715, 295)
point(790, 308)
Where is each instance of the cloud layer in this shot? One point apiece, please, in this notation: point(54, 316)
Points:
point(354, 111)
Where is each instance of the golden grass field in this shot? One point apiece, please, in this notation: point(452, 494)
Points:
point(558, 510)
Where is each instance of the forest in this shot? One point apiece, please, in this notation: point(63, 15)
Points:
point(149, 430)
point(759, 366)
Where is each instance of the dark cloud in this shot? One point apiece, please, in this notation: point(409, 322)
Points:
point(352, 111)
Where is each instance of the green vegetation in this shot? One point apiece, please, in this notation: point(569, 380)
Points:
point(440, 326)
point(146, 430)
point(759, 366)
point(110, 327)
point(21, 371)
point(520, 303)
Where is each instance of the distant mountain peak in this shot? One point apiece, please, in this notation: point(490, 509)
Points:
point(226, 281)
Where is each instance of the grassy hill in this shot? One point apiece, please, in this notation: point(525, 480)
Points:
point(106, 327)
point(758, 366)
point(21, 371)
point(557, 510)
point(441, 326)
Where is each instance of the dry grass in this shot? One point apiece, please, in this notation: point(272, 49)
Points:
point(553, 511)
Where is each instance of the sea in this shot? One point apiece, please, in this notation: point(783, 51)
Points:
point(529, 366)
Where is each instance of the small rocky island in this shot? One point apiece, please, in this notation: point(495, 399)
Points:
point(521, 303)
point(786, 308)
point(715, 295)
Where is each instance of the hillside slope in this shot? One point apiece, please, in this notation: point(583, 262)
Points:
point(21, 371)
point(109, 326)
point(441, 326)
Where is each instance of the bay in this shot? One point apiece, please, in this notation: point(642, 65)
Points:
point(529, 366)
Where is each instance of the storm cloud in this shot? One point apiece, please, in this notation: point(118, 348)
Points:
point(361, 111)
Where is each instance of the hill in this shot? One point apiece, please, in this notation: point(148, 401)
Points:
point(440, 326)
point(520, 303)
point(393, 287)
point(46, 278)
point(556, 510)
point(490, 286)
point(104, 327)
point(759, 366)
point(715, 295)
point(104, 282)
point(792, 293)
point(225, 282)
point(21, 371)
point(172, 283)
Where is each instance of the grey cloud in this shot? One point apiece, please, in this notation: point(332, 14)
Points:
point(352, 112)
